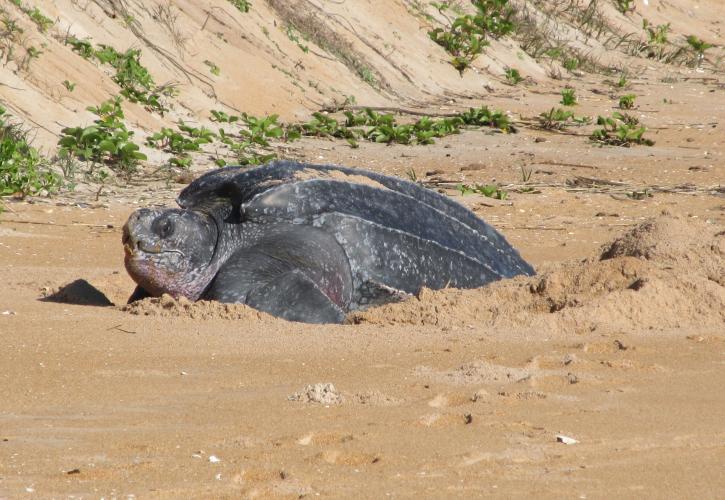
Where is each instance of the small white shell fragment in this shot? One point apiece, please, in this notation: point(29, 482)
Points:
point(8, 313)
point(565, 439)
point(214, 459)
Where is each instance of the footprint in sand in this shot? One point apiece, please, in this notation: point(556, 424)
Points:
point(339, 457)
point(445, 400)
point(324, 438)
point(437, 420)
point(375, 398)
point(269, 483)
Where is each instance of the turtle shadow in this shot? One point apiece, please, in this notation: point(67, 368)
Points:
point(79, 292)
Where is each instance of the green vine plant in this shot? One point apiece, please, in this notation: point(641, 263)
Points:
point(250, 141)
point(621, 129)
point(241, 5)
point(107, 142)
point(135, 80)
point(12, 39)
point(43, 22)
point(558, 119)
point(23, 170)
point(657, 39)
point(181, 142)
point(699, 47)
point(624, 6)
point(467, 36)
point(488, 190)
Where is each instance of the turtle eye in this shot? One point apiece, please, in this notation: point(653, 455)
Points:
point(165, 228)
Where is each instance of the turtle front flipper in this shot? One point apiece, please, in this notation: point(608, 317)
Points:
point(295, 272)
point(138, 294)
point(295, 297)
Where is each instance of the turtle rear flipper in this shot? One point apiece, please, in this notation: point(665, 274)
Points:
point(372, 293)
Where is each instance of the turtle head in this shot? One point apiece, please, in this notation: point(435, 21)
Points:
point(170, 251)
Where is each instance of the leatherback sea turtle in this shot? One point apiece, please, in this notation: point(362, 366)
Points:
point(311, 242)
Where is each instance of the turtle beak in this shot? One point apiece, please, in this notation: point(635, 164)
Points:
point(133, 239)
point(129, 245)
point(133, 231)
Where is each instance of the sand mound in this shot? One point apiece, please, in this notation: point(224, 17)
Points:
point(167, 306)
point(476, 372)
point(322, 393)
point(668, 242)
point(665, 273)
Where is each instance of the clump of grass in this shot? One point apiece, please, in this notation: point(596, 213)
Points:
point(698, 46)
point(513, 77)
point(294, 36)
point(623, 82)
point(558, 119)
point(624, 6)
point(10, 33)
point(42, 22)
point(213, 68)
point(627, 101)
point(568, 97)
point(639, 194)
point(23, 170)
point(13, 45)
point(570, 64)
point(312, 27)
point(657, 39)
point(241, 5)
point(367, 75)
point(620, 130)
point(467, 36)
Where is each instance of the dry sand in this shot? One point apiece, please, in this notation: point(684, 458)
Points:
point(619, 346)
point(618, 343)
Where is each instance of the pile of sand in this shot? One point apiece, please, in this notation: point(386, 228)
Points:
point(665, 273)
point(322, 393)
point(168, 306)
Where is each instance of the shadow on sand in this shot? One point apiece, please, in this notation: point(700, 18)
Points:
point(79, 292)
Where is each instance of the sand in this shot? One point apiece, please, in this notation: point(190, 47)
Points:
point(615, 346)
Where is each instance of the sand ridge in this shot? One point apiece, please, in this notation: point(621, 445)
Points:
point(664, 273)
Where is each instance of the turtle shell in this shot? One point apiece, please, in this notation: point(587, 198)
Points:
point(397, 235)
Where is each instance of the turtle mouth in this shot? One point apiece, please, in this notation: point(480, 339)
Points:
point(132, 248)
